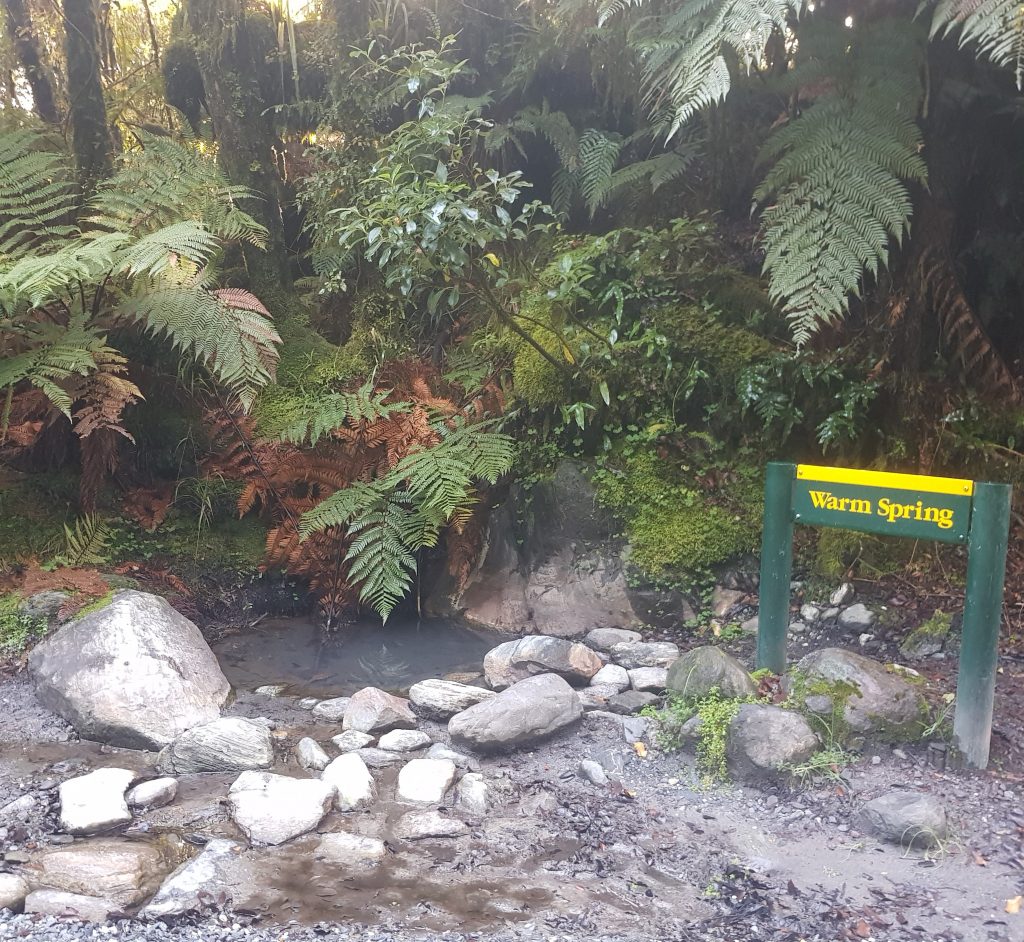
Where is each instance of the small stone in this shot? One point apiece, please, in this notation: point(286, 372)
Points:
point(830, 613)
point(763, 741)
point(153, 794)
point(95, 802)
point(876, 760)
point(856, 617)
point(331, 711)
point(644, 654)
point(905, 817)
point(596, 696)
point(798, 628)
point(592, 772)
point(654, 679)
point(352, 740)
point(750, 625)
point(604, 639)
point(18, 810)
point(373, 710)
point(440, 751)
point(62, 905)
point(631, 701)
point(421, 825)
point(380, 758)
point(842, 595)
point(611, 675)
point(771, 801)
point(517, 660)
point(425, 781)
point(13, 890)
point(125, 872)
point(271, 690)
point(865, 638)
point(819, 703)
point(350, 850)
point(310, 754)
point(404, 740)
point(809, 613)
point(308, 703)
point(634, 728)
point(352, 780)
point(472, 794)
point(272, 809)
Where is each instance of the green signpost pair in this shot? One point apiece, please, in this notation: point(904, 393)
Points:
point(908, 505)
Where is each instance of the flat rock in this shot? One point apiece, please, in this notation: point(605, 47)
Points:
point(604, 639)
point(905, 817)
point(539, 654)
point(272, 809)
point(155, 793)
point(425, 781)
point(134, 673)
point(611, 675)
point(630, 654)
point(631, 701)
point(231, 744)
point(373, 710)
point(442, 699)
point(350, 850)
point(653, 679)
point(125, 872)
point(95, 802)
point(331, 711)
point(311, 755)
point(472, 794)
point(351, 780)
point(763, 741)
point(701, 670)
point(70, 905)
point(877, 699)
point(527, 712)
point(404, 740)
point(13, 890)
point(380, 758)
point(195, 880)
point(421, 825)
point(352, 740)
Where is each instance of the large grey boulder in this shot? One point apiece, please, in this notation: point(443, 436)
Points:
point(134, 673)
point(372, 710)
point(764, 741)
point(272, 809)
point(442, 699)
point(125, 872)
point(95, 802)
point(525, 713)
point(701, 670)
point(905, 817)
point(877, 699)
point(231, 744)
point(536, 654)
point(195, 880)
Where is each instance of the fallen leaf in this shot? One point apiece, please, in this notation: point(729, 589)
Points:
point(641, 749)
point(862, 930)
point(978, 859)
point(1013, 905)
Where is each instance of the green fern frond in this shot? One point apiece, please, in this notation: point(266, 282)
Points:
point(85, 543)
point(599, 152)
point(994, 27)
point(311, 417)
point(39, 278)
point(837, 196)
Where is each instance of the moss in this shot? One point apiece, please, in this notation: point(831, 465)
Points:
point(33, 511)
point(838, 552)
point(740, 297)
point(674, 527)
point(723, 350)
point(97, 604)
point(536, 380)
point(929, 635)
point(830, 725)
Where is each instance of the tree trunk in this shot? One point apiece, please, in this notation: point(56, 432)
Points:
point(229, 68)
point(22, 35)
point(90, 134)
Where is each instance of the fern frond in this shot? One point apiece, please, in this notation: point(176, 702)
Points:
point(994, 27)
point(85, 543)
point(599, 152)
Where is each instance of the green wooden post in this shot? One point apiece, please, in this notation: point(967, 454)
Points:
point(776, 566)
point(983, 609)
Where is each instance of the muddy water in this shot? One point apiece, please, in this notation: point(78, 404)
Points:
point(312, 663)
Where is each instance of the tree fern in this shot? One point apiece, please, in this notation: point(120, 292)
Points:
point(308, 417)
point(994, 27)
point(837, 193)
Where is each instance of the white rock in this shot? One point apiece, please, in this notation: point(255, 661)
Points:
point(420, 825)
point(471, 794)
point(611, 675)
point(153, 794)
point(272, 809)
point(649, 678)
point(122, 871)
point(271, 690)
point(202, 876)
point(58, 903)
point(442, 699)
point(425, 781)
point(352, 782)
point(310, 755)
point(351, 740)
point(229, 744)
point(372, 710)
point(809, 613)
point(350, 850)
point(750, 625)
point(404, 740)
point(331, 711)
point(309, 703)
point(13, 890)
point(95, 802)
point(842, 595)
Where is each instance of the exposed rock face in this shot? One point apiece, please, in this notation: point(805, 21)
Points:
point(231, 744)
point(442, 699)
point(633, 654)
point(183, 890)
point(535, 654)
point(352, 781)
point(425, 781)
point(525, 713)
point(764, 740)
point(421, 825)
point(59, 903)
point(95, 802)
point(350, 850)
point(372, 710)
point(272, 809)
point(153, 794)
point(905, 817)
point(882, 702)
point(703, 669)
point(135, 673)
point(125, 872)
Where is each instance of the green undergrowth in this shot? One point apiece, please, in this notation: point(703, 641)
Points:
point(17, 630)
point(838, 553)
point(33, 512)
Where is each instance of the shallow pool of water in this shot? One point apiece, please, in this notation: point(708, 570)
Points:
point(313, 663)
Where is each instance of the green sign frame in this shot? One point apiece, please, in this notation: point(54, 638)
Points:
point(913, 506)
